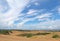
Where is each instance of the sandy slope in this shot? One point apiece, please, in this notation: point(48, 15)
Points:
point(13, 37)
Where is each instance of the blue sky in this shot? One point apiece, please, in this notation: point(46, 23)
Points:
point(30, 14)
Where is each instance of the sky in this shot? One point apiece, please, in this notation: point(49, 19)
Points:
point(30, 14)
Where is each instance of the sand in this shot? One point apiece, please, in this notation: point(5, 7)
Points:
point(13, 37)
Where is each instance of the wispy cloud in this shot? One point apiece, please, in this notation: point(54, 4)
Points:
point(11, 15)
point(43, 17)
point(32, 11)
point(8, 18)
point(59, 11)
point(47, 25)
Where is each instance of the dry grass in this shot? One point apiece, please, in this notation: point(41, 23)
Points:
point(33, 36)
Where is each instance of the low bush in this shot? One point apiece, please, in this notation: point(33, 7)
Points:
point(5, 32)
point(30, 34)
point(55, 36)
point(27, 35)
point(42, 33)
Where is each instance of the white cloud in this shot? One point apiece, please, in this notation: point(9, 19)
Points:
point(39, 0)
point(59, 11)
point(10, 16)
point(52, 24)
point(17, 3)
point(36, 3)
point(32, 11)
point(45, 15)
point(47, 25)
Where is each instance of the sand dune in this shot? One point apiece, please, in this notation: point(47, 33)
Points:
point(13, 37)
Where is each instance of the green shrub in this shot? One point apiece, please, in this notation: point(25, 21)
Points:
point(5, 32)
point(42, 33)
point(30, 34)
point(27, 35)
point(55, 36)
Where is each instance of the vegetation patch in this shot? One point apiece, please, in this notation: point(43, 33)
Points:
point(42, 33)
point(6, 32)
point(30, 34)
point(55, 36)
point(27, 35)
